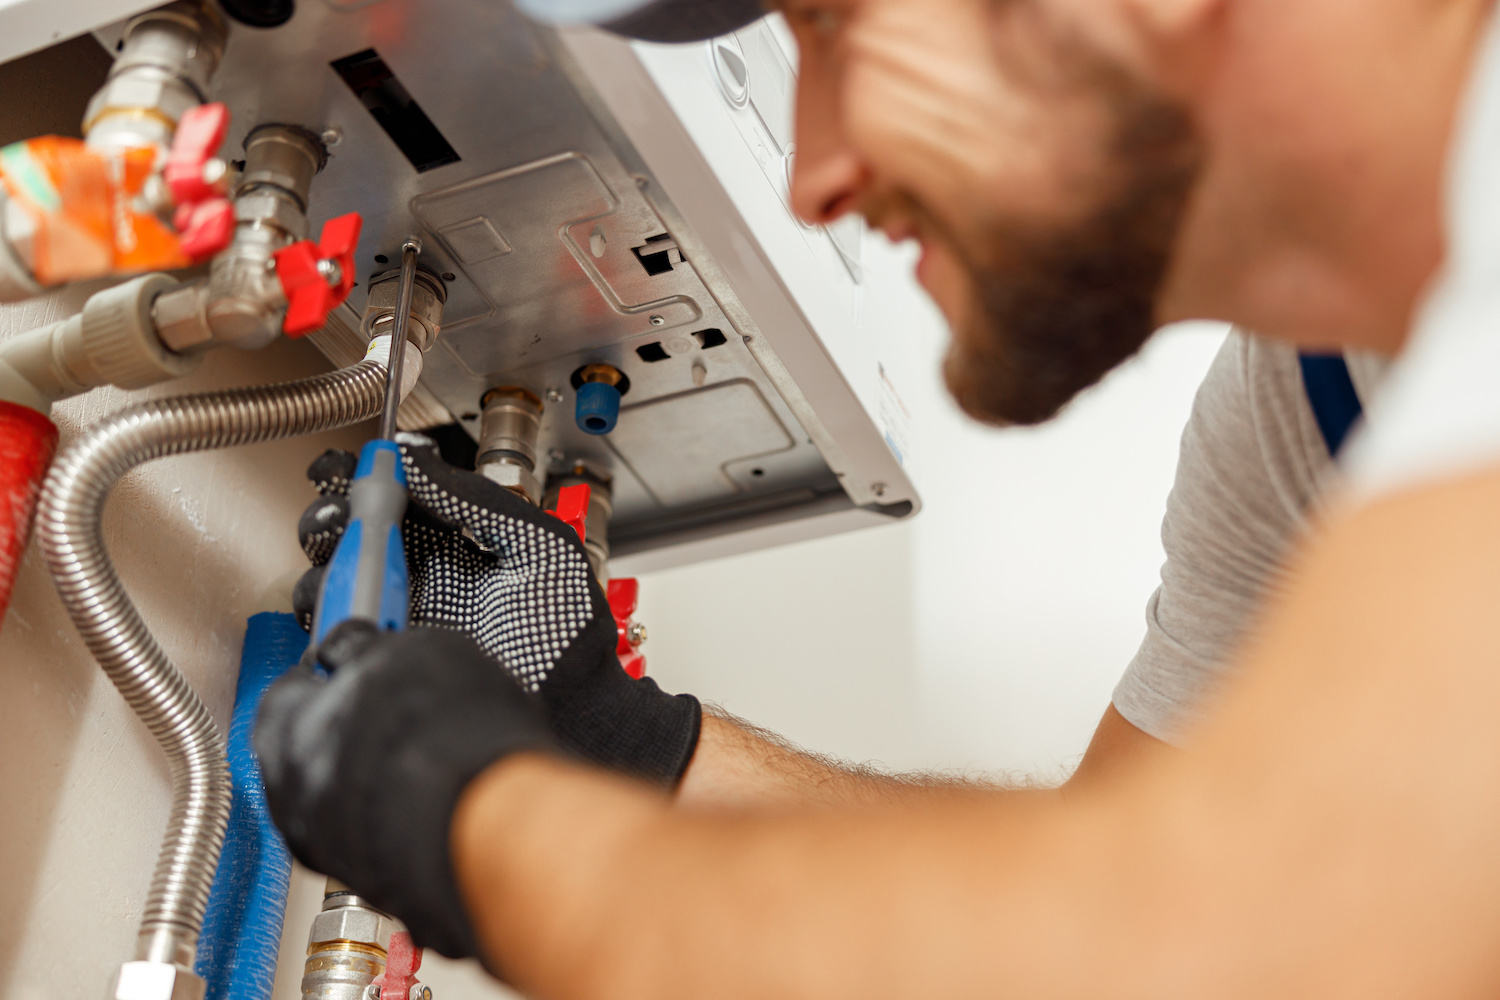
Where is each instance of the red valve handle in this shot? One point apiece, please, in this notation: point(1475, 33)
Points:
point(200, 133)
point(402, 960)
point(623, 595)
point(205, 228)
point(572, 510)
point(204, 219)
point(310, 297)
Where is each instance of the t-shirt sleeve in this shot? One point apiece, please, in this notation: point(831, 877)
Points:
point(1251, 464)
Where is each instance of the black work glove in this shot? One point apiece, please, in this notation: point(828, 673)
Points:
point(364, 768)
point(520, 585)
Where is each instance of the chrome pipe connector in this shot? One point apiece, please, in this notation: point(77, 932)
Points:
point(242, 303)
point(596, 521)
point(166, 58)
point(245, 301)
point(346, 947)
point(508, 441)
point(425, 316)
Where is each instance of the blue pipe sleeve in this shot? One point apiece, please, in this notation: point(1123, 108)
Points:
point(242, 927)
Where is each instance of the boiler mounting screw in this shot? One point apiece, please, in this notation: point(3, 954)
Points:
point(553, 396)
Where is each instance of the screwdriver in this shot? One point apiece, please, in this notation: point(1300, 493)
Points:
point(367, 576)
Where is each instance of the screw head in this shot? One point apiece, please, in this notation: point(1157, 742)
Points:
point(556, 456)
point(420, 991)
point(214, 170)
point(332, 136)
point(636, 633)
point(878, 489)
point(553, 396)
point(658, 321)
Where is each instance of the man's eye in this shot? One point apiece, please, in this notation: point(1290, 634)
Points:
point(825, 22)
point(821, 21)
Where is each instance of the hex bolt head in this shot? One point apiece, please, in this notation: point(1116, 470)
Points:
point(419, 991)
point(157, 981)
point(350, 923)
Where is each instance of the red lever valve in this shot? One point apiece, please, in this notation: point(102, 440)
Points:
point(190, 171)
point(572, 510)
point(204, 228)
point(317, 277)
point(402, 960)
point(623, 596)
point(196, 177)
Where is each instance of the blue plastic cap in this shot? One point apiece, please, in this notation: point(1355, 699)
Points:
point(598, 407)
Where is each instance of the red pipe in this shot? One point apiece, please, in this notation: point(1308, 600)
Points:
point(28, 441)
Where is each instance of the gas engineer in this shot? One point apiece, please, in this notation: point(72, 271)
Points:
point(1321, 649)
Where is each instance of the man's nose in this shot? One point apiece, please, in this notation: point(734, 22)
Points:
point(828, 175)
point(826, 183)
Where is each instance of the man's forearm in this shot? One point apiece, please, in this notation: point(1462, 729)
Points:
point(585, 885)
point(738, 764)
point(1330, 836)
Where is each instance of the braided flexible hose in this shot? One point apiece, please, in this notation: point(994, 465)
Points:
point(69, 519)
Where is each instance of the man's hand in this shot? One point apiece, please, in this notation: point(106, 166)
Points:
point(363, 768)
point(516, 580)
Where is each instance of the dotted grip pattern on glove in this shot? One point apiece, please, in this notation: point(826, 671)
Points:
point(485, 562)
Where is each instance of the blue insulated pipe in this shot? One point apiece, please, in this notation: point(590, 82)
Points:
point(242, 926)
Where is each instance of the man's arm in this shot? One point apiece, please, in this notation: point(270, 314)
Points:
point(1330, 835)
point(738, 764)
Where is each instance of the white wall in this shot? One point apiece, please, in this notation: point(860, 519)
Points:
point(985, 634)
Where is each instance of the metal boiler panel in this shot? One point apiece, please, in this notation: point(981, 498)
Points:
point(577, 216)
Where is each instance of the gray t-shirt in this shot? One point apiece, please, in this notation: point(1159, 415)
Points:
point(1253, 471)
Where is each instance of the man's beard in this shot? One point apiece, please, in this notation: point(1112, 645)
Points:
point(1067, 307)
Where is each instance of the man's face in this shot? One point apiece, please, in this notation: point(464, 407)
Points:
point(1044, 182)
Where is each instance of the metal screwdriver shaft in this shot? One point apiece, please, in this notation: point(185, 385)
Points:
point(399, 324)
point(367, 578)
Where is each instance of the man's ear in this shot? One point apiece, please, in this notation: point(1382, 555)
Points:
point(1179, 42)
point(1170, 20)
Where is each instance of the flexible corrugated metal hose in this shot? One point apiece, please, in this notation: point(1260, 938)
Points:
point(69, 521)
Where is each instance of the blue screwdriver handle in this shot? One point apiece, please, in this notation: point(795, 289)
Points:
point(367, 577)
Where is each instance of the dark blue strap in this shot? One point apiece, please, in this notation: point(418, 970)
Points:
point(1330, 390)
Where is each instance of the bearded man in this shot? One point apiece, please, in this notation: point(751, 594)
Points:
point(1077, 172)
